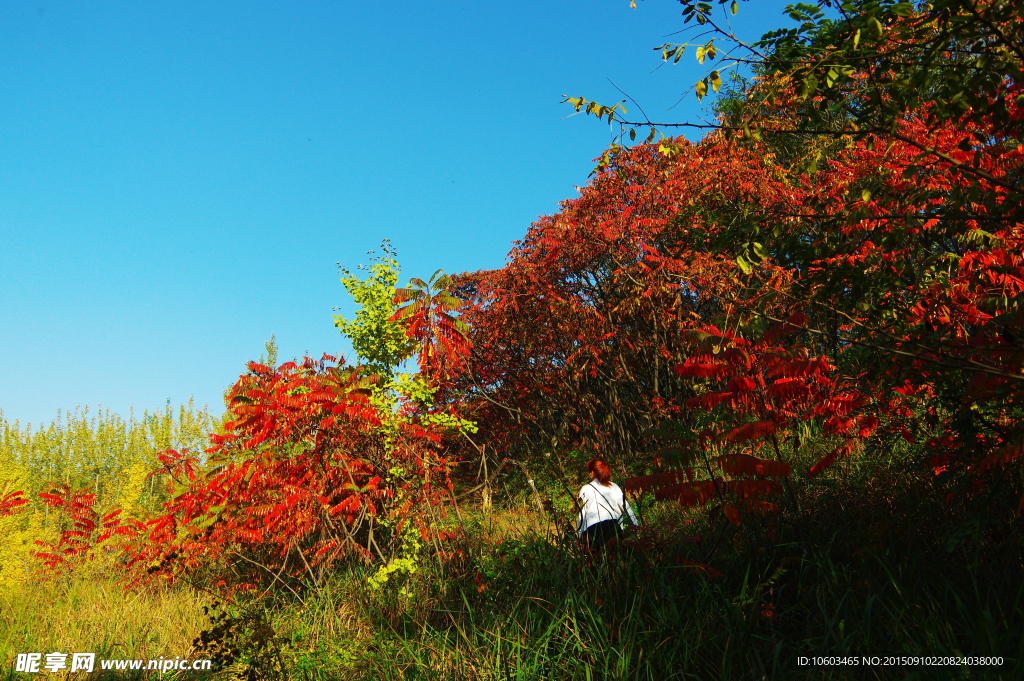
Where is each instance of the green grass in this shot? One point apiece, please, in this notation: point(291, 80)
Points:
point(853, 575)
point(868, 566)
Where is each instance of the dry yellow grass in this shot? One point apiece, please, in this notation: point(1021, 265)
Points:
point(92, 613)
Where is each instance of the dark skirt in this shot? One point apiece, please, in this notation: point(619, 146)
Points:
point(598, 535)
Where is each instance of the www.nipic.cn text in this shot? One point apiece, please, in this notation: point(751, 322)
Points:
point(38, 663)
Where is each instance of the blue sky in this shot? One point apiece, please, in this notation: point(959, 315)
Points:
point(179, 179)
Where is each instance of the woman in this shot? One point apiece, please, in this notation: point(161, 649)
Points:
point(603, 506)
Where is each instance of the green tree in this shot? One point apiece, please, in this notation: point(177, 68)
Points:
point(381, 344)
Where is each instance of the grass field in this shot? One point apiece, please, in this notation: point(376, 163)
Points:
point(851, 574)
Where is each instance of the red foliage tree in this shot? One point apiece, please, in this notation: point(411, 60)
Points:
point(909, 273)
point(301, 478)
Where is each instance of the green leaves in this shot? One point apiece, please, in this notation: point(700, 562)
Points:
point(751, 255)
point(211, 516)
point(743, 264)
point(808, 86)
point(669, 50)
point(593, 108)
point(380, 342)
point(713, 79)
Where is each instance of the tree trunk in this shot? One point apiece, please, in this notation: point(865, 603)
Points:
point(536, 495)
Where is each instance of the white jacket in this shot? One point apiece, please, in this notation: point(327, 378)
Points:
point(599, 503)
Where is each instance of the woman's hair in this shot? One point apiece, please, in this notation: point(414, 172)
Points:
point(600, 470)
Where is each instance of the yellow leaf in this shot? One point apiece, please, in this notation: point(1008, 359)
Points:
point(702, 89)
point(716, 80)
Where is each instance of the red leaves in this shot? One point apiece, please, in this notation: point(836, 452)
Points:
point(177, 465)
point(747, 493)
point(840, 406)
point(983, 386)
point(1003, 456)
point(800, 367)
point(708, 401)
point(837, 425)
point(600, 264)
point(77, 504)
point(752, 490)
point(296, 465)
point(10, 502)
point(868, 424)
point(789, 388)
point(778, 331)
point(111, 519)
point(741, 384)
point(82, 540)
point(688, 493)
point(760, 508)
point(797, 320)
point(732, 513)
point(744, 464)
point(271, 404)
point(738, 357)
point(427, 316)
point(843, 450)
point(481, 586)
point(657, 481)
point(699, 370)
point(749, 431)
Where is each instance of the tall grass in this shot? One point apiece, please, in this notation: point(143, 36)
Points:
point(91, 613)
point(869, 562)
point(848, 577)
point(854, 575)
point(875, 566)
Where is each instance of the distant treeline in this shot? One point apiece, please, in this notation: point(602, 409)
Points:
point(110, 455)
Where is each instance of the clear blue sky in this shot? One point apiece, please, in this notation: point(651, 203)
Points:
point(179, 179)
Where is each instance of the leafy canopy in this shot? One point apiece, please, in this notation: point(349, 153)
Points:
point(382, 344)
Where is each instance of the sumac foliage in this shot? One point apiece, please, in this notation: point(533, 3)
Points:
point(866, 285)
point(870, 176)
point(302, 477)
point(761, 397)
point(88, 533)
point(427, 317)
point(837, 269)
point(11, 502)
